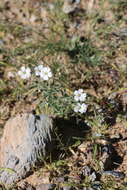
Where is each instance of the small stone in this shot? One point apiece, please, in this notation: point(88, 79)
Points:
point(116, 174)
point(26, 138)
point(97, 187)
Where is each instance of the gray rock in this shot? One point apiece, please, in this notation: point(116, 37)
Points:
point(26, 139)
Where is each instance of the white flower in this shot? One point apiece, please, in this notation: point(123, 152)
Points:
point(24, 73)
point(38, 70)
point(79, 95)
point(46, 73)
point(77, 107)
point(82, 108)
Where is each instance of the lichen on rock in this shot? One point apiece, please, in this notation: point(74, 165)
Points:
point(26, 139)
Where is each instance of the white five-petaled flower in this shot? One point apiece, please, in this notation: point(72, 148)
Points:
point(81, 108)
point(44, 72)
point(24, 72)
point(38, 70)
point(79, 95)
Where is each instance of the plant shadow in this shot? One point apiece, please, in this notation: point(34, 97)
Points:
point(68, 133)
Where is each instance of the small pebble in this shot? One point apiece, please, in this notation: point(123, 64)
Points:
point(97, 187)
point(117, 174)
